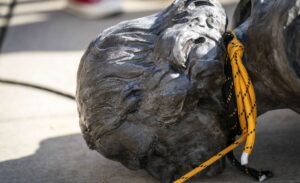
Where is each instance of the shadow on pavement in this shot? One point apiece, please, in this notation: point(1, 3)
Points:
point(67, 158)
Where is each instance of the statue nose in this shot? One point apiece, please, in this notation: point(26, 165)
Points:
point(202, 22)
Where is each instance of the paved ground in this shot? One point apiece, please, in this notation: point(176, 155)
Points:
point(40, 139)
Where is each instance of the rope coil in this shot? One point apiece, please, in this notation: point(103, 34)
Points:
point(240, 100)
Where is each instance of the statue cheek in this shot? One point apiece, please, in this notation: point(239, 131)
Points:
point(164, 45)
point(207, 50)
point(205, 59)
point(175, 44)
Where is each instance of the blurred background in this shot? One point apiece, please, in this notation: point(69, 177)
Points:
point(40, 140)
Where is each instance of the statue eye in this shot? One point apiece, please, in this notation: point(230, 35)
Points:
point(210, 21)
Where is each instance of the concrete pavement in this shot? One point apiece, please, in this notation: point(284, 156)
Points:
point(40, 140)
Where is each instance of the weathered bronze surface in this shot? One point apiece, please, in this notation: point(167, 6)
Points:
point(149, 89)
point(271, 35)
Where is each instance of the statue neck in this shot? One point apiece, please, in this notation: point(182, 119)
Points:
point(276, 82)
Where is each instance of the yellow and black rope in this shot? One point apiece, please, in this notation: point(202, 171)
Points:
point(239, 98)
point(231, 109)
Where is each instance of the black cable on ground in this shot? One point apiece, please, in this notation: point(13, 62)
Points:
point(3, 32)
point(12, 82)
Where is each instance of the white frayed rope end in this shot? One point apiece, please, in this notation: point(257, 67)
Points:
point(262, 178)
point(244, 158)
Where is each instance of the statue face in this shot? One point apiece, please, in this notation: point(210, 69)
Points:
point(194, 46)
point(198, 26)
point(201, 33)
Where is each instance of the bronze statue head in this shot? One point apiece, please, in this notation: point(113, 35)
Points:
point(149, 90)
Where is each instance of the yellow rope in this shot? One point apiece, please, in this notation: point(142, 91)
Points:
point(246, 104)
